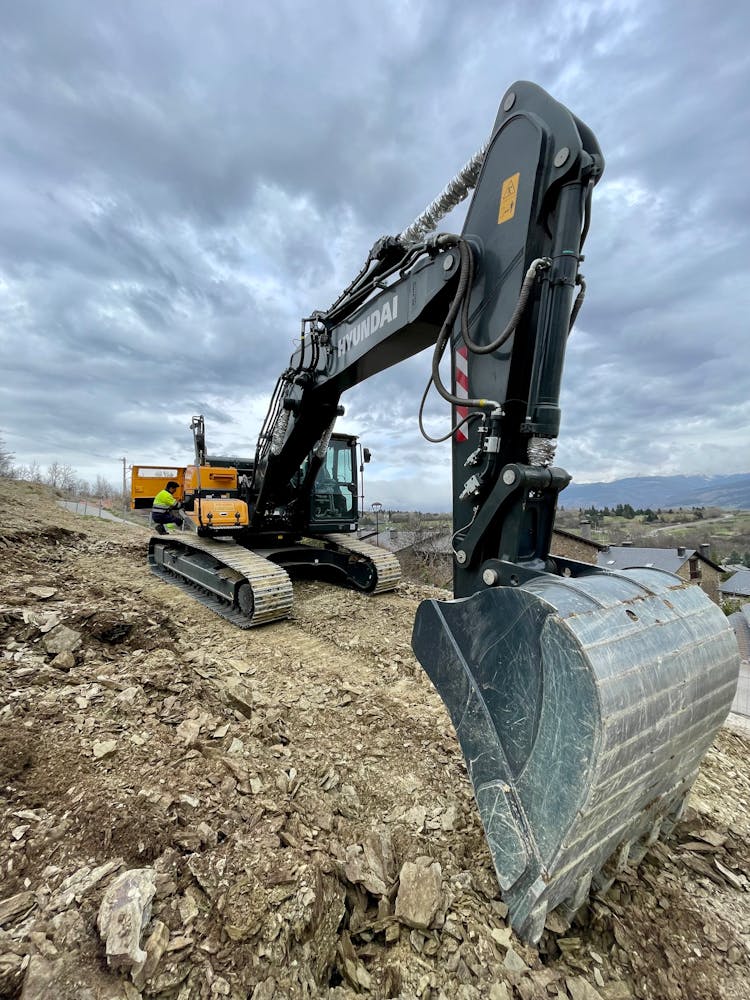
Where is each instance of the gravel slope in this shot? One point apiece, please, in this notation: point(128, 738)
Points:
point(297, 800)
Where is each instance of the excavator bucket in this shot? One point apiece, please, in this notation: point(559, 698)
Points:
point(583, 707)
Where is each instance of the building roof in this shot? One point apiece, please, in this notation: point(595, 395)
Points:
point(737, 584)
point(740, 621)
point(629, 556)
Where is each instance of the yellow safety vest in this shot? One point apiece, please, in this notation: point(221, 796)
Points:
point(163, 500)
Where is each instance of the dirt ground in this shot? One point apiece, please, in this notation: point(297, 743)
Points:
point(279, 787)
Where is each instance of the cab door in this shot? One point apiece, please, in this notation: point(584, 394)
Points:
point(333, 502)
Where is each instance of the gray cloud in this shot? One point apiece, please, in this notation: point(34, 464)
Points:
point(182, 182)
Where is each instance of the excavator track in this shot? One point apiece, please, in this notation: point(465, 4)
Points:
point(232, 581)
point(248, 589)
point(387, 566)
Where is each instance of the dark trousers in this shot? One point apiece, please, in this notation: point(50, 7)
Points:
point(162, 517)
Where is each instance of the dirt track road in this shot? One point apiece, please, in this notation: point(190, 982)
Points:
point(276, 783)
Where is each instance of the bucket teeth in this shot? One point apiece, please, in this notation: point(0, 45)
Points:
point(583, 707)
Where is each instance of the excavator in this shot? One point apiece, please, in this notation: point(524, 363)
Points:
point(583, 699)
point(234, 555)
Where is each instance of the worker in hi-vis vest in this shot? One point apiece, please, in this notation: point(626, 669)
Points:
point(164, 509)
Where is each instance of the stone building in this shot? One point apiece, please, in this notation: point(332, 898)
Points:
point(572, 546)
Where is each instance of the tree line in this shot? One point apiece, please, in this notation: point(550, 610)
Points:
point(57, 475)
point(596, 515)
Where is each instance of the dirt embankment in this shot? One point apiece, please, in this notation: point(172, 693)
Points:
point(281, 789)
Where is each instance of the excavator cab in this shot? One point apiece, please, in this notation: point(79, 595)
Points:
point(334, 501)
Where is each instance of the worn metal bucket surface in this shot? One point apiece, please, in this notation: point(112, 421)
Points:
point(583, 707)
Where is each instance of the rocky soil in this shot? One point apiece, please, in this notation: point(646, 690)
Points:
point(192, 811)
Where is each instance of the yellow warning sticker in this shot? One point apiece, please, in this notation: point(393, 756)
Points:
point(508, 197)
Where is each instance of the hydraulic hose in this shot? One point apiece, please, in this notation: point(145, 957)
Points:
point(462, 294)
point(534, 269)
point(451, 432)
point(460, 302)
point(580, 280)
point(452, 194)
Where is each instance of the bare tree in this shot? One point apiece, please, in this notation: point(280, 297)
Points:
point(61, 477)
point(428, 556)
point(30, 473)
point(103, 488)
point(6, 460)
point(53, 474)
point(68, 479)
point(35, 471)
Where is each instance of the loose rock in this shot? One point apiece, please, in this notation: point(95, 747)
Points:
point(124, 913)
point(580, 989)
point(104, 748)
point(420, 893)
point(62, 639)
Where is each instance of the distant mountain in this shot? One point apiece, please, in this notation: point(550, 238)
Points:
point(732, 492)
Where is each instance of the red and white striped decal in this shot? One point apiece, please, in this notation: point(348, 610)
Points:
point(462, 387)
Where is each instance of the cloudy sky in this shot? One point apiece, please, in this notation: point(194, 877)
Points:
point(180, 182)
